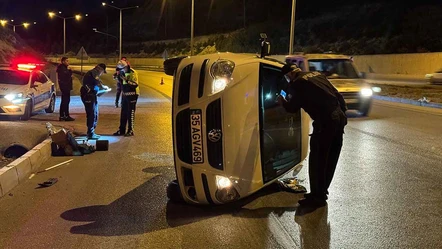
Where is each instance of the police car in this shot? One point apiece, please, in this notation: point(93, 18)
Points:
point(231, 138)
point(341, 72)
point(23, 90)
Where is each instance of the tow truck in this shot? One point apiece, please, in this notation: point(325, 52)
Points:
point(25, 89)
point(230, 136)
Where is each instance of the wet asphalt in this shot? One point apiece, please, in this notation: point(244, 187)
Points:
point(385, 194)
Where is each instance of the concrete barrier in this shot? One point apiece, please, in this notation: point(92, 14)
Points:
point(20, 169)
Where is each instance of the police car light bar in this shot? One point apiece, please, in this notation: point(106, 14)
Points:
point(26, 66)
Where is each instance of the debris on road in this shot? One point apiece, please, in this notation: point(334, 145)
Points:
point(55, 166)
point(48, 183)
point(291, 185)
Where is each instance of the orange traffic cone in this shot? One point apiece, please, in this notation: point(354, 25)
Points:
point(162, 82)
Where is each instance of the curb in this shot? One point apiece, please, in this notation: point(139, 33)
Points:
point(20, 169)
point(408, 101)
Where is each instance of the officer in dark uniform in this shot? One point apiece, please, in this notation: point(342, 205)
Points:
point(65, 84)
point(89, 90)
point(313, 92)
point(131, 91)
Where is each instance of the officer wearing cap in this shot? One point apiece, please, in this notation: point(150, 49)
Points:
point(119, 80)
point(89, 90)
point(64, 74)
point(313, 92)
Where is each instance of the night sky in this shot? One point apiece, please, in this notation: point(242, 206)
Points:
point(151, 21)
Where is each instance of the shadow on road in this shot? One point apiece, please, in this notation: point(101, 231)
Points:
point(146, 209)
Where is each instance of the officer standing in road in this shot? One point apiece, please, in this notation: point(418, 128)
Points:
point(131, 91)
point(65, 84)
point(89, 90)
point(119, 82)
point(313, 92)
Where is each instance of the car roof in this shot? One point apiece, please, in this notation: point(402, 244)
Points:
point(238, 58)
point(325, 56)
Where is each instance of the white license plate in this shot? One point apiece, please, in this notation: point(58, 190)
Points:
point(351, 101)
point(197, 136)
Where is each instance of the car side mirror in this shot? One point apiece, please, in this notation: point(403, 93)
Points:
point(36, 84)
point(265, 46)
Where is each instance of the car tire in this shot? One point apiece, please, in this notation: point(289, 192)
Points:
point(174, 192)
point(28, 111)
point(364, 110)
point(51, 107)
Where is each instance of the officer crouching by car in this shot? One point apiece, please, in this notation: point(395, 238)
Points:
point(313, 92)
point(89, 90)
point(131, 91)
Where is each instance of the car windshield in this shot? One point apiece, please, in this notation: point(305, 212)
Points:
point(11, 77)
point(280, 131)
point(334, 68)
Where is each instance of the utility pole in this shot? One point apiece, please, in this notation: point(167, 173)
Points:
point(292, 28)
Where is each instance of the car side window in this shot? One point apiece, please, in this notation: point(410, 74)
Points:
point(35, 78)
point(42, 78)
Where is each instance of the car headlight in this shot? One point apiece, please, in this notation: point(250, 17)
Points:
point(226, 192)
point(13, 96)
point(221, 72)
point(366, 92)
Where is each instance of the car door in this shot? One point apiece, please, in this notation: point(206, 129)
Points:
point(38, 89)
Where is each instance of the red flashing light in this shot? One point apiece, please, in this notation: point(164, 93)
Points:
point(26, 66)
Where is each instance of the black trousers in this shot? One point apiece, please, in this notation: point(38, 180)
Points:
point(91, 108)
point(127, 117)
point(64, 104)
point(325, 149)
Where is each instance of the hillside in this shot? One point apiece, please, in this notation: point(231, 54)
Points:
point(12, 46)
point(367, 28)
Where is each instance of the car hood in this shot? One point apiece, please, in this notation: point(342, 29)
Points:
point(348, 85)
point(7, 89)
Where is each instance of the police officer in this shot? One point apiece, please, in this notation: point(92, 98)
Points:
point(65, 84)
point(119, 82)
point(131, 91)
point(89, 90)
point(313, 92)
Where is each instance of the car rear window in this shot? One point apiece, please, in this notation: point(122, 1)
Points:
point(11, 77)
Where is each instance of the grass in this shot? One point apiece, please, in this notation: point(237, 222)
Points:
point(433, 93)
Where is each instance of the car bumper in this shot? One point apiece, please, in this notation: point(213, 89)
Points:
point(11, 109)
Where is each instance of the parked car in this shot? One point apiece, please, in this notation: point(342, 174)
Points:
point(434, 78)
point(23, 90)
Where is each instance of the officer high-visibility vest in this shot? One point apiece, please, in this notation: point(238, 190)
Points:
point(131, 80)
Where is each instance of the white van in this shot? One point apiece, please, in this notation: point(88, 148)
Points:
point(230, 136)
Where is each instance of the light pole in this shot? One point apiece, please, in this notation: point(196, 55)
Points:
point(76, 17)
point(106, 34)
point(192, 27)
point(121, 22)
point(292, 28)
point(5, 22)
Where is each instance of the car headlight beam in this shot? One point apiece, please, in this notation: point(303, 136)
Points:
point(221, 72)
point(366, 92)
point(223, 182)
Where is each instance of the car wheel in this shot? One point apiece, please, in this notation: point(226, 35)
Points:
point(51, 107)
point(364, 110)
point(28, 111)
point(173, 192)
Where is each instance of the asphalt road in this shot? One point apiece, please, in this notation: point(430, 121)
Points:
point(385, 194)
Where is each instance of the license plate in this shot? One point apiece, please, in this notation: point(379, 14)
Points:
point(197, 136)
point(351, 101)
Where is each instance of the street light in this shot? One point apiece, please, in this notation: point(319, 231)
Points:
point(121, 22)
point(5, 22)
point(76, 17)
point(292, 27)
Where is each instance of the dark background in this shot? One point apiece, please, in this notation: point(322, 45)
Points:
point(356, 27)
